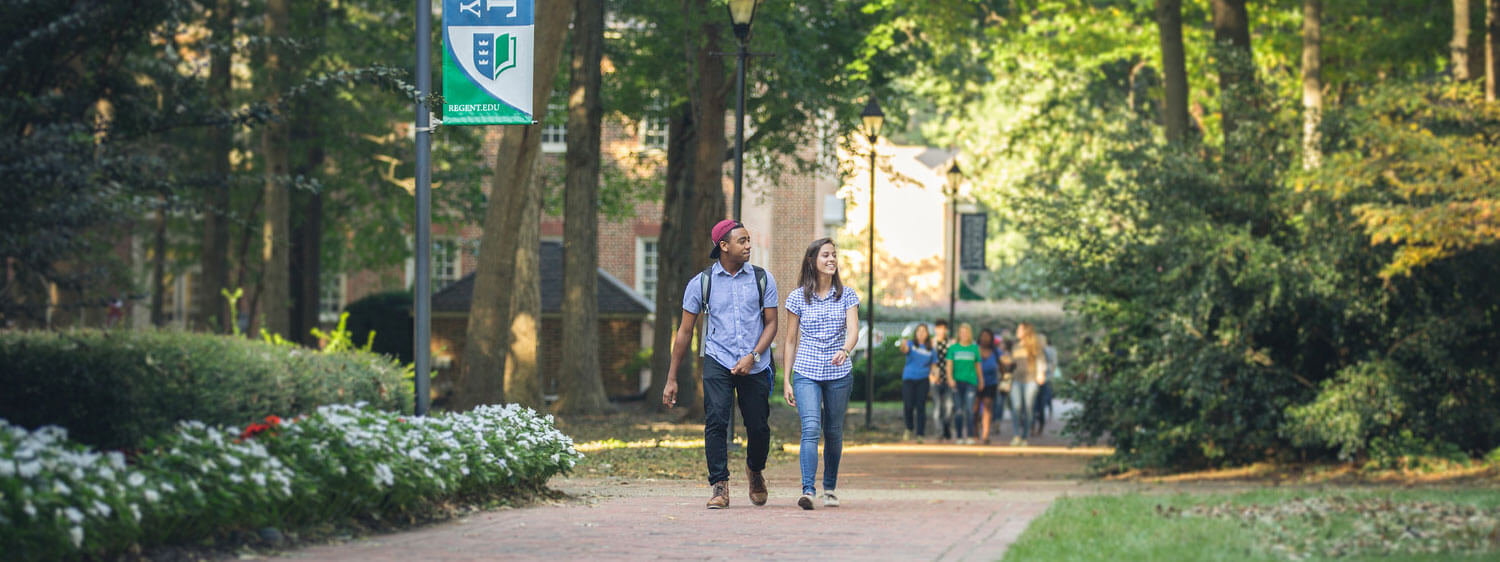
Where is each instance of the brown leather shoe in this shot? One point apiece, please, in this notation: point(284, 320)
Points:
point(757, 487)
point(720, 500)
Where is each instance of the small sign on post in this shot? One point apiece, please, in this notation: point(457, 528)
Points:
point(487, 54)
point(973, 233)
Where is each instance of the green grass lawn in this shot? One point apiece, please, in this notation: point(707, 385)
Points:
point(1386, 526)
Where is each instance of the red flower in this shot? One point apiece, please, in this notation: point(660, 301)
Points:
point(273, 420)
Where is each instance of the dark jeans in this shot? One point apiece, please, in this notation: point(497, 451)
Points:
point(914, 404)
point(719, 392)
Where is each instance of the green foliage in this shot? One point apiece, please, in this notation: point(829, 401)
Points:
point(62, 500)
point(114, 389)
point(889, 361)
point(384, 320)
point(1247, 310)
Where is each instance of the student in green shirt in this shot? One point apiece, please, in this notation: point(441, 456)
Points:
point(963, 362)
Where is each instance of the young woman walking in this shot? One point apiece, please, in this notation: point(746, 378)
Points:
point(1031, 371)
point(989, 365)
point(963, 362)
point(824, 327)
point(914, 383)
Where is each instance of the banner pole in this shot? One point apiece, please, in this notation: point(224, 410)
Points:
point(422, 289)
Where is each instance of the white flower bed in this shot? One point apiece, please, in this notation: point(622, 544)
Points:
point(59, 499)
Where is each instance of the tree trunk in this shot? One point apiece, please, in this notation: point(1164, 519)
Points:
point(275, 298)
point(1232, 37)
point(1312, 83)
point(1174, 69)
point(308, 266)
point(484, 379)
point(711, 90)
point(159, 267)
point(674, 247)
point(523, 382)
point(581, 388)
point(213, 310)
point(1491, 49)
point(1459, 48)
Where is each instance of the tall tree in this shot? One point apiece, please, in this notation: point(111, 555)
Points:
point(485, 379)
point(581, 388)
point(1312, 82)
point(213, 309)
point(1236, 70)
point(275, 296)
point(673, 267)
point(1491, 48)
point(710, 96)
point(1174, 69)
point(1460, 48)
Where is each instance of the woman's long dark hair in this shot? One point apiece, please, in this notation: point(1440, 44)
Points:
point(925, 342)
point(809, 277)
point(987, 335)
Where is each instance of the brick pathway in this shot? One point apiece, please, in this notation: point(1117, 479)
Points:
point(912, 502)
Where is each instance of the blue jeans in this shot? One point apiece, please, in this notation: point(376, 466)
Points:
point(1022, 402)
point(963, 410)
point(821, 405)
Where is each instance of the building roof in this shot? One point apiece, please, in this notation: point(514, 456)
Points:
point(615, 298)
point(934, 157)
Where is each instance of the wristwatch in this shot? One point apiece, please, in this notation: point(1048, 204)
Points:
point(754, 356)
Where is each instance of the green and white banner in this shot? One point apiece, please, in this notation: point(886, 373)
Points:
point(487, 52)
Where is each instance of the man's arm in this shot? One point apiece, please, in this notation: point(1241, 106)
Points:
point(680, 345)
point(763, 345)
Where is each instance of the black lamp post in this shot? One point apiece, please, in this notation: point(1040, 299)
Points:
point(955, 177)
point(871, 118)
point(741, 13)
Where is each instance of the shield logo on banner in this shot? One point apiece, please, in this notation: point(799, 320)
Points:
point(487, 71)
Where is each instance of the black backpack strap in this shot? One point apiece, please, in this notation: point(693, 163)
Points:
point(705, 282)
point(760, 281)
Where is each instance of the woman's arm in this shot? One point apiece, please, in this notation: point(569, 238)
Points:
point(851, 337)
point(979, 374)
point(950, 374)
point(794, 329)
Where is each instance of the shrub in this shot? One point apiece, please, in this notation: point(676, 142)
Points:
point(388, 315)
point(113, 389)
point(60, 499)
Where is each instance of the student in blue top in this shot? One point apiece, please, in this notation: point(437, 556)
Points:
point(914, 383)
point(989, 364)
point(823, 328)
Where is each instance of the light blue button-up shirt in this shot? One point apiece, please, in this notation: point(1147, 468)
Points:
point(735, 314)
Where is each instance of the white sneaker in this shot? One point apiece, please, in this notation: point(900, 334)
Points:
point(906, 435)
point(1015, 441)
point(830, 500)
point(805, 502)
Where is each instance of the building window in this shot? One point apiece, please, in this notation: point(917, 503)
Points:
point(555, 130)
point(446, 262)
point(331, 297)
point(646, 256)
point(654, 133)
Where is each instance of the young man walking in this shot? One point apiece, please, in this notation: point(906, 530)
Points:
point(739, 301)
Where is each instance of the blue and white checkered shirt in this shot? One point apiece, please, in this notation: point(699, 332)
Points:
point(821, 328)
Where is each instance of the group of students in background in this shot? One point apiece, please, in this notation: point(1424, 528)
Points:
point(969, 381)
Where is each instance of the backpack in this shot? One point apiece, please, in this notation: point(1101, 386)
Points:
point(705, 281)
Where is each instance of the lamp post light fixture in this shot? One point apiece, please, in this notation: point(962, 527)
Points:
point(871, 118)
point(741, 14)
point(955, 177)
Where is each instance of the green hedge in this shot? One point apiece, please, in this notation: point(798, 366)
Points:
point(113, 389)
